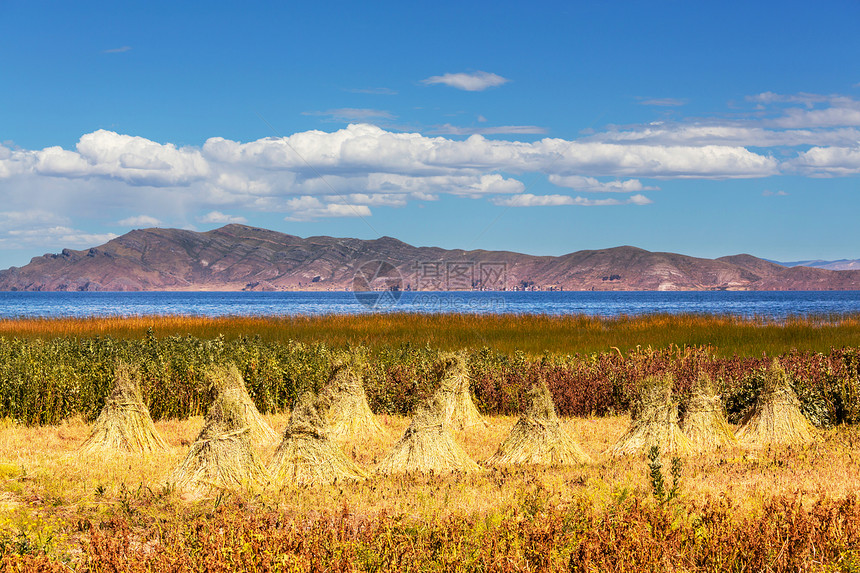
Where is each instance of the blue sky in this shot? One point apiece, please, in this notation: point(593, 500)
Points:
point(546, 129)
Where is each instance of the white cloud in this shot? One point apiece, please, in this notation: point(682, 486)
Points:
point(376, 199)
point(59, 162)
point(769, 193)
point(659, 161)
point(473, 82)
point(139, 221)
point(778, 120)
point(530, 200)
point(591, 184)
point(464, 185)
point(52, 237)
point(828, 161)
point(360, 166)
point(816, 111)
point(60, 235)
point(36, 228)
point(117, 50)
point(729, 134)
point(135, 160)
point(310, 208)
point(347, 171)
point(219, 217)
point(365, 148)
point(639, 199)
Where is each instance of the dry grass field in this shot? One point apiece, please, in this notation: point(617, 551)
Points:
point(778, 508)
point(51, 496)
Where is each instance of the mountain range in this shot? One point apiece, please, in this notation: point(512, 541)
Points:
point(239, 257)
point(840, 265)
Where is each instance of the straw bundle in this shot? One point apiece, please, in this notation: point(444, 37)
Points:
point(776, 417)
point(124, 424)
point(221, 457)
point(227, 381)
point(654, 422)
point(705, 421)
point(306, 455)
point(427, 446)
point(537, 437)
point(453, 394)
point(344, 402)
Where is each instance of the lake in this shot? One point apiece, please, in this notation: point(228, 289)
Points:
point(766, 304)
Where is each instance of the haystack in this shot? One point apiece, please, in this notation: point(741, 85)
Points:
point(776, 417)
point(347, 414)
point(427, 446)
point(306, 454)
point(654, 422)
point(226, 380)
point(124, 424)
point(221, 457)
point(537, 437)
point(453, 393)
point(704, 420)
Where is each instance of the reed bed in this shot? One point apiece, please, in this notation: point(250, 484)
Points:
point(532, 334)
point(46, 381)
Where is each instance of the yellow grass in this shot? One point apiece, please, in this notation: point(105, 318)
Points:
point(43, 478)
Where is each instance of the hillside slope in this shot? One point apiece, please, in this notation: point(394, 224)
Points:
point(238, 257)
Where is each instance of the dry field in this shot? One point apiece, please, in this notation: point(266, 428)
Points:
point(52, 499)
point(787, 508)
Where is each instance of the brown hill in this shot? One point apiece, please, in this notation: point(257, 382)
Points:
point(238, 257)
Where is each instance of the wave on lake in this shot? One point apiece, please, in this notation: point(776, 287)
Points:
point(770, 304)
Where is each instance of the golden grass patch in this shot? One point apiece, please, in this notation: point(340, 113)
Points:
point(532, 334)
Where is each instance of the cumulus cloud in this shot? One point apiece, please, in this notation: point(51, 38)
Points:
point(530, 200)
point(828, 161)
point(139, 221)
point(222, 218)
point(345, 172)
point(367, 148)
point(593, 185)
point(472, 82)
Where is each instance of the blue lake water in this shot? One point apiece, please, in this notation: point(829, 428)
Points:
point(766, 304)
